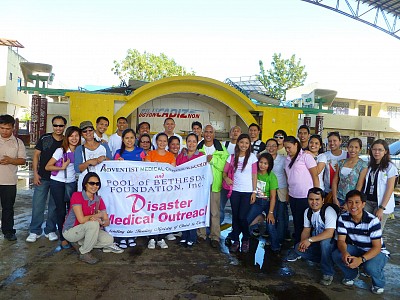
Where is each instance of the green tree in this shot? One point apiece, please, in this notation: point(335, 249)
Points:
point(284, 74)
point(147, 66)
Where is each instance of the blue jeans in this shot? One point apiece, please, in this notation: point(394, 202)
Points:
point(282, 217)
point(39, 199)
point(298, 206)
point(320, 252)
point(189, 235)
point(262, 205)
point(61, 193)
point(240, 202)
point(373, 267)
point(223, 200)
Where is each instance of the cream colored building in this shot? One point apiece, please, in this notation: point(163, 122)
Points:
point(12, 100)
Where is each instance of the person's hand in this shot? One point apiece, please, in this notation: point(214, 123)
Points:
point(36, 179)
point(346, 258)
point(270, 218)
point(65, 164)
point(6, 160)
point(209, 157)
point(379, 214)
point(228, 180)
point(303, 245)
point(253, 198)
point(100, 159)
point(354, 262)
point(120, 158)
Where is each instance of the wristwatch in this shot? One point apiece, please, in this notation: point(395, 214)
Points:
point(363, 259)
point(310, 240)
point(382, 207)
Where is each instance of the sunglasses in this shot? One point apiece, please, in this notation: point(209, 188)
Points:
point(92, 183)
point(58, 125)
point(87, 130)
point(279, 137)
point(145, 142)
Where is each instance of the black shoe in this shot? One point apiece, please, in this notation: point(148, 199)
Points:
point(10, 236)
point(214, 243)
point(228, 241)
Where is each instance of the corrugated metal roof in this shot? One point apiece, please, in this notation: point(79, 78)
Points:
point(389, 6)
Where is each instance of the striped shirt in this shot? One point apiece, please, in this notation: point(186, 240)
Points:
point(361, 234)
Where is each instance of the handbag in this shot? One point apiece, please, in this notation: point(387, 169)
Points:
point(59, 163)
point(230, 174)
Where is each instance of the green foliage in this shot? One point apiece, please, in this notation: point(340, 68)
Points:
point(147, 66)
point(284, 74)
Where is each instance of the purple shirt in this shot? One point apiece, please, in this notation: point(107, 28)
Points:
point(298, 177)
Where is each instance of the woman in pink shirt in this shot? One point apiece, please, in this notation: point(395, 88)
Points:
point(301, 172)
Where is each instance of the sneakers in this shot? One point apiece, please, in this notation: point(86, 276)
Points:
point(122, 244)
point(151, 244)
point(10, 237)
point(162, 244)
point(349, 282)
point(245, 246)
point(32, 237)
point(228, 241)
point(234, 247)
point(326, 280)
point(52, 236)
point(131, 242)
point(113, 248)
point(170, 237)
point(292, 256)
point(377, 290)
point(88, 258)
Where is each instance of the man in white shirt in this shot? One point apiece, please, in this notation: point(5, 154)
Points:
point(102, 124)
point(115, 140)
point(169, 127)
point(233, 136)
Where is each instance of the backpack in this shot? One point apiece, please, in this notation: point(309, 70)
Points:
point(227, 144)
point(322, 212)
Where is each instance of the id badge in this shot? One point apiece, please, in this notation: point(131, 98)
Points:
point(371, 190)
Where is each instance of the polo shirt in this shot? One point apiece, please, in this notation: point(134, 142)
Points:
point(14, 148)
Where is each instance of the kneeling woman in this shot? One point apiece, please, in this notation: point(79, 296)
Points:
point(85, 220)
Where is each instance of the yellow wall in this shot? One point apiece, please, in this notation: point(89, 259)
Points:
point(279, 118)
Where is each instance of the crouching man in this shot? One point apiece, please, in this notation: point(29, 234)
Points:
point(317, 238)
point(360, 243)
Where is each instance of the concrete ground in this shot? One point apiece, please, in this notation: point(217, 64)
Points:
point(39, 271)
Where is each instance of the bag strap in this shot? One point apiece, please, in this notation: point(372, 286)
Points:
point(84, 156)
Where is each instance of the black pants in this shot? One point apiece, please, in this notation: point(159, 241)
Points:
point(7, 196)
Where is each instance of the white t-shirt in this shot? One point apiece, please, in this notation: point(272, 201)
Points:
point(279, 171)
point(114, 142)
point(331, 164)
point(99, 151)
point(316, 221)
point(209, 150)
point(104, 137)
point(231, 148)
point(70, 171)
point(321, 158)
point(242, 181)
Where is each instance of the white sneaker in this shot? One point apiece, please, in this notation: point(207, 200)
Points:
point(52, 236)
point(170, 237)
point(162, 244)
point(151, 244)
point(113, 248)
point(32, 237)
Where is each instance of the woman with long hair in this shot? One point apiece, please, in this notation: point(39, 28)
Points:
point(316, 149)
point(63, 179)
point(380, 181)
point(189, 237)
point(301, 171)
point(243, 191)
point(350, 173)
point(86, 218)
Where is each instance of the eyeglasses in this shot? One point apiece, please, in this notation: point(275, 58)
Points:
point(377, 150)
point(87, 130)
point(145, 142)
point(92, 183)
point(58, 125)
point(279, 137)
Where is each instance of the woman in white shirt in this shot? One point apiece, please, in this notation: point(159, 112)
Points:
point(63, 179)
point(380, 181)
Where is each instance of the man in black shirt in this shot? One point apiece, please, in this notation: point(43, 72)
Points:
point(44, 150)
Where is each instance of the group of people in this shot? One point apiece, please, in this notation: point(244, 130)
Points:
point(258, 178)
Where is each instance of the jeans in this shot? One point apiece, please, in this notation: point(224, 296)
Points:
point(223, 200)
point(372, 207)
point(298, 206)
point(61, 193)
point(262, 205)
point(282, 218)
point(39, 199)
point(189, 235)
point(7, 195)
point(373, 267)
point(320, 252)
point(240, 202)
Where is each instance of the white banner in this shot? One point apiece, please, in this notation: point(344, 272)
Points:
point(144, 198)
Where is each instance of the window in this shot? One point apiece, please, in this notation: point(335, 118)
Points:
point(340, 108)
point(394, 112)
point(10, 77)
point(361, 110)
point(369, 112)
point(19, 84)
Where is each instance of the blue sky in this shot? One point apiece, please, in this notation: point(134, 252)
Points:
point(216, 39)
